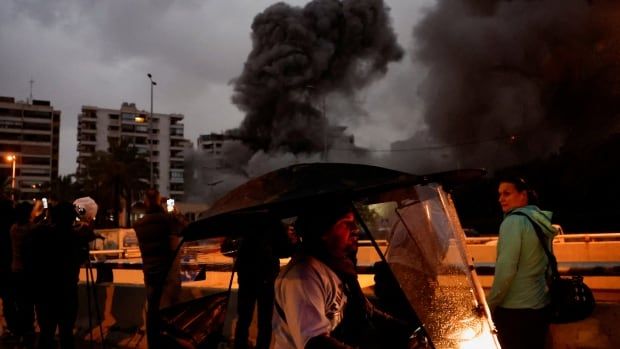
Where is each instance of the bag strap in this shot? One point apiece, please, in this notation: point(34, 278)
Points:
point(553, 263)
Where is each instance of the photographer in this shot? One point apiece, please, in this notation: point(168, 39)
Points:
point(59, 248)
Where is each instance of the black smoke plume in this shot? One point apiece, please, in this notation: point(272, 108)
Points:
point(300, 55)
point(509, 81)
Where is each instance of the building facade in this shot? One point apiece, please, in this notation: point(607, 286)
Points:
point(28, 142)
point(98, 127)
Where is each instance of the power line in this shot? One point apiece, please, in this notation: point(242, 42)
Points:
point(437, 146)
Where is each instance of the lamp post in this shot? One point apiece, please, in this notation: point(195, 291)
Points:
point(153, 83)
point(12, 158)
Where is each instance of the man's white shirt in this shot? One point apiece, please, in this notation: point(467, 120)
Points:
point(312, 298)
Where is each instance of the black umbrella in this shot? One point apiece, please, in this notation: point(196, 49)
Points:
point(290, 190)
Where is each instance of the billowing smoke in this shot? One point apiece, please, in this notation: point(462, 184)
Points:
point(510, 81)
point(300, 55)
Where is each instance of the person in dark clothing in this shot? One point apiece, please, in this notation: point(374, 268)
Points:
point(56, 259)
point(6, 290)
point(21, 240)
point(158, 238)
point(257, 266)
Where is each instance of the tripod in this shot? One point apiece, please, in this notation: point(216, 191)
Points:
point(91, 288)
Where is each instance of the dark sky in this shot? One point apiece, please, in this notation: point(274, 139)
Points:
point(89, 52)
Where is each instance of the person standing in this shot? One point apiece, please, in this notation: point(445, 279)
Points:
point(7, 218)
point(158, 238)
point(257, 266)
point(55, 260)
point(21, 239)
point(519, 297)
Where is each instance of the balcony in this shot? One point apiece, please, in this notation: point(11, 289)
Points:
point(87, 117)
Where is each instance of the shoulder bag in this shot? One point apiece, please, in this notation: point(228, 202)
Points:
point(571, 298)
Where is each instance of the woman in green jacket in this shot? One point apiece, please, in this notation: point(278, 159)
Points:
point(519, 296)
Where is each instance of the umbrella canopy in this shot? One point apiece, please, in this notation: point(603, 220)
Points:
point(290, 190)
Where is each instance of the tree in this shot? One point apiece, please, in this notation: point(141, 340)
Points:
point(63, 188)
point(114, 177)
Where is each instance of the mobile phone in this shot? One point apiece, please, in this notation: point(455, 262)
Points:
point(44, 202)
point(170, 205)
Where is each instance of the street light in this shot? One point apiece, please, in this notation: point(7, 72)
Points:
point(12, 158)
point(153, 83)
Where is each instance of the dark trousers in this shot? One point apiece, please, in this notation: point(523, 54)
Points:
point(57, 309)
point(7, 294)
point(251, 292)
point(521, 328)
point(24, 306)
point(154, 289)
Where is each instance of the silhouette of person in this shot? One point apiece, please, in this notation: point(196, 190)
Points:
point(158, 238)
point(57, 254)
point(7, 218)
point(257, 266)
point(21, 237)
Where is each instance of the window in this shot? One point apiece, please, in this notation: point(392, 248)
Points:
point(35, 161)
point(37, 126)
point(10, 124)
point(35, 173)
point(37, 114)
point(176, 187)
point(128, 117)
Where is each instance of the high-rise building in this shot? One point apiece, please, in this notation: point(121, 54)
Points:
point(98, 127)
point(212, 143)
point(29, 143)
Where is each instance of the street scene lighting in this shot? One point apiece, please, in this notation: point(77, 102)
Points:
point(12, 158)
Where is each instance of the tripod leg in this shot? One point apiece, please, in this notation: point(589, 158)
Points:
point(97, 310)
point(88, 286)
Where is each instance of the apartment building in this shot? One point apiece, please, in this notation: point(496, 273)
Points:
point(29, 134)
point(97, 127)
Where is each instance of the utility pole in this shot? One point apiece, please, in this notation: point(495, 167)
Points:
point(150, 137)
point(31, 83)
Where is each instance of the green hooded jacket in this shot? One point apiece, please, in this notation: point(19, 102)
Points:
point(521, 264)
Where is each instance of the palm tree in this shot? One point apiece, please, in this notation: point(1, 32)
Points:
point(63, 188)
point(115, 176)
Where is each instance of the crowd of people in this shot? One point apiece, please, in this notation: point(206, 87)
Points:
point(313, 302)
point(42, 251)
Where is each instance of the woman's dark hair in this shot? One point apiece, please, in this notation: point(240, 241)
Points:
point(521, 184)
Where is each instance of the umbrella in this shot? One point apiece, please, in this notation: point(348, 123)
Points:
point(291, 190)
